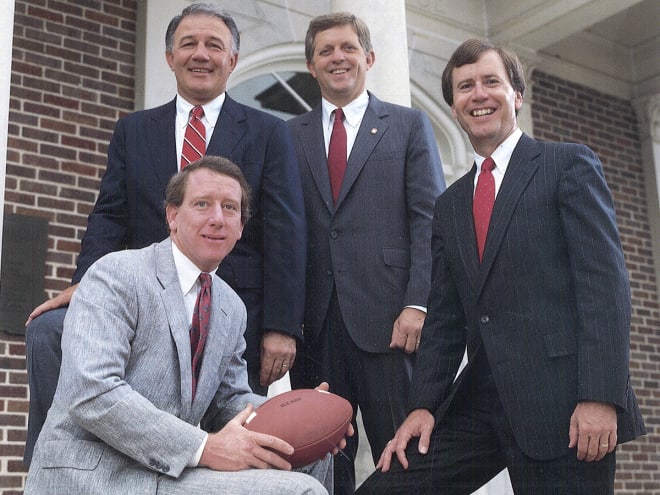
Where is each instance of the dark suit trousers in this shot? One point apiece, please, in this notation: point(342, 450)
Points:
point(43, 337)
point(473, 442)
point(377, 383)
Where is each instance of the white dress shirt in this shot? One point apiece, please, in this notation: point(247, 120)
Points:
point(353, 113)
point(183, 108)
point(501, 156)
point(188, 274)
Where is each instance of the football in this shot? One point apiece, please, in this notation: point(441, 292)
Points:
point(312, 421)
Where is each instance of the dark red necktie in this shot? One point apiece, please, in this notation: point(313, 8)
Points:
point(194, 140)
point(482, 205)
point(199, 329)
point(337, 154)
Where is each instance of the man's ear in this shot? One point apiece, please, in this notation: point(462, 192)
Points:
point(310, 68)
point(371, 59)
point(171, 214)
point(518, 101)
point(233, 62)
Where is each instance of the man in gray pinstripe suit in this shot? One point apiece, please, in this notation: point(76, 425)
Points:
point(124, 419)
point(545, 314)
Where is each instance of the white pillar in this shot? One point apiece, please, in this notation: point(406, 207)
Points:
point(389, 78)
point(648, 115)
point(7, 27)
point(524, 118)
point(155, 83)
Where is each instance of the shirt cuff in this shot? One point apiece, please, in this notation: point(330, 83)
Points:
point(421, 308)
point(194, 462)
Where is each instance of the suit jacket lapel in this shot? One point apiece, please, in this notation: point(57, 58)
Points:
point(175, 313)
point(373, 127)
point(522, 167)
point(161, 143)
point(466, 238)
point(313, 144)
point(229, 129)
point(216, 343)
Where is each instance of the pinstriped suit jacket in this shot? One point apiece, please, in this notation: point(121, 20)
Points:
point(123, 413)
point(374, 244)
point(129, 210)
point(550, 303)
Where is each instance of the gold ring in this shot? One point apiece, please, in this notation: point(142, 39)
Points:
point(605, 445)
point(285, 366)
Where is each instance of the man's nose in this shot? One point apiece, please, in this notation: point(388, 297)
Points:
point(217, 215)
point(201, 51)
point(479, 91)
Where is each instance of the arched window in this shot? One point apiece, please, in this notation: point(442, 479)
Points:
point(288, 93)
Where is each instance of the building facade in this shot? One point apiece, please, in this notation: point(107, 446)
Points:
point(77, 66)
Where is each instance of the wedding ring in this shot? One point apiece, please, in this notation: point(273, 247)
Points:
point(605, 445)
point(285, 365)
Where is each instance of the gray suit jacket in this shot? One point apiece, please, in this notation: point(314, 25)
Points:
point(375, 243)
point(123, 414)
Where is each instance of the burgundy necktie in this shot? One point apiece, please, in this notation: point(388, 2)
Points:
point(337, 154)
point(482, 205)
point(200, 326)
point(194, 140)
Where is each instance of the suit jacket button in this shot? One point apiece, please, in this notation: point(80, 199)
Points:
point(333, 234)
point(484, 319)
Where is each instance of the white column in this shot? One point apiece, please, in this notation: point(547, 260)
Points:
point(389, 78)
point(155, 83)
point(525, 121)
point(648, 115)
point(7, 27)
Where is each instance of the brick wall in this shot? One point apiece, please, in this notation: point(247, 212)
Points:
point(564, 111)
point(72, 77)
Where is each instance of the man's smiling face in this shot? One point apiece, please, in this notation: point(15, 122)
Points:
point(340, 64)
point(485, 102)
point(208, 223)
point(202, 58)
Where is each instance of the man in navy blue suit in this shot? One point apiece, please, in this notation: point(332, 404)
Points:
point(266, 268)
point(544, 311)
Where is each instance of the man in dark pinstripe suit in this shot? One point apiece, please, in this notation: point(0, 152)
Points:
point(545, 315)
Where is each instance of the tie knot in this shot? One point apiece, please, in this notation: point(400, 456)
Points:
point(205, 280)
point(197, 111)
point(488, 164)
point(339, 115)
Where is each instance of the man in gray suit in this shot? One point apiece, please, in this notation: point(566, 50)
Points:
point(128, 404)
point(542, 304)
point(369, 234)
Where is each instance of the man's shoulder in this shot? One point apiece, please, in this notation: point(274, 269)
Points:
point(129, 258)
point(381, 106)
point(162, 111)
point(304, 118)
point(249, 113)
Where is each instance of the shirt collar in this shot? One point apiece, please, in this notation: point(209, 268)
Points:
point(353, 112)
point(186, 270)
point(211, 109)
point(502, 154)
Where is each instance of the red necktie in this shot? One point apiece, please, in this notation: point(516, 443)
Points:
point(194, 140)
point(200, 326)
point(482, 205)
point(337, 154)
